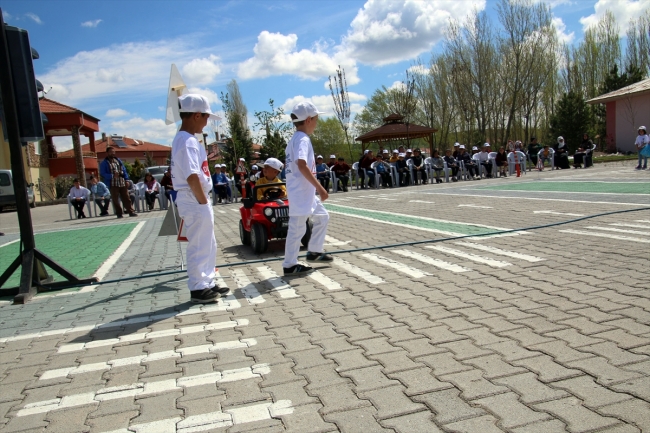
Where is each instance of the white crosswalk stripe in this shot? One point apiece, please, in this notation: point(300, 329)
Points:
point(324, 280)
point(431, 261)
point(334, 242)
point(279, 285)
point(178, 352)
point(501, 252)
point(248, 289)
point(642, 221)
point(355, 270)
point(634, 226)
point(74, 347)
point(606, 235)
point(469, 256)
point(610, 229)
point(145, 388)
point(399, 267)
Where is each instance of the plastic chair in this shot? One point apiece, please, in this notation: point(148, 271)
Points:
point(492, 157)
point(551, 154)
point(141, 188)
point(409, 164)
point(88, 205)
point(355, 171)
point(95, 206)
point(477, 161)
point(512, 162)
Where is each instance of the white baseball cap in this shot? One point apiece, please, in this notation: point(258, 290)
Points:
point(303, 110)
point(402, 155)
point(194, 103)
point(366, 151)
point(274, 163)
point(255, 167)
point(474, 148)
point(395, 151)
point(242, 159)
point(456, 144)
point(332, 156)
point(385, 151)
point(224, 165)
point(409, 150)
point(462, 146)
point(319, 156)
point(486, 145)
point(642, 127)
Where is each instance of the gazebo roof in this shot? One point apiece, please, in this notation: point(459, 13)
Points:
point(395, 129)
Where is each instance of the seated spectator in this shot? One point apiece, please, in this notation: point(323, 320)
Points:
point(419, 167)
point(468, 162)
point(385, 155)
point(580, 156)
point(253, 176)
point(456, 152)
point(561, 154)
point(272, 167)
point(502, 162)
point(533, 150)
point(402, 170)
point(451, 164)
point(166, 182)
point(408, 155)
point(383, 171)
point(102, 195)
point(78, 195)
point(241, 175)
point(131, 190)
point(229, 179)
point(437, 165)
point(341, 170)
point(544, 155)
point(484, 159)
point(322, 173)
point(364, 168)
point(332, 161)
point(220, 183)
point(152, 189)
point(394, 157)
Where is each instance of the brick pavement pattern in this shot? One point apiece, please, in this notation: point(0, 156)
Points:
point(543, 331)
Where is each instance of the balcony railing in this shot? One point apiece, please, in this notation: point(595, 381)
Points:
point(84, 154)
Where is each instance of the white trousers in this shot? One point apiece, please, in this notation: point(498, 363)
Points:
point(297, 229)
point(198, 221)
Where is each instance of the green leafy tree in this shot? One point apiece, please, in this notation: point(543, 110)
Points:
point(240, 144)
point(275, 131)
point(570, 120)
point(329, 138)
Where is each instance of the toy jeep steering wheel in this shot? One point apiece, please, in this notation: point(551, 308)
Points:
point(273, 193)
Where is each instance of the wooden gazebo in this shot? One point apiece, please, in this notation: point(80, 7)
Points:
point(394, 129)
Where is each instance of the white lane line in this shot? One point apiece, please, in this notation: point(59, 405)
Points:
point(221, 211)
point(248, 289)
point(557, 213)
point(334, 242)
point(643, 221)
point(235, 210)
point(501, 252)
point(355, 270)
point(136, 360)
point(74, 347)
point(399, 267)
point(609, 229)
point(455, 194)
point(145, 388)
point(279, 285)
point(636, 226)
point(9, 243)
point(391, 199)
point(604, 235)
point(475, 206)
point(469, 256)
point(422, 201)
point(431, 261)
point(324, 280)
point(228, 303)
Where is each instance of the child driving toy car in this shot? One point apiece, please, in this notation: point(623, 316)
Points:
point(272, 167)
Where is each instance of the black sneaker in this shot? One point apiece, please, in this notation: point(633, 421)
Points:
point(120, 216)
point(221, 289)
point(319, 257)
point(204, 296)
point(133, 214)
point(297, 269)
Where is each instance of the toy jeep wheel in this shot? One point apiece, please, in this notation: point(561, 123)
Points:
point(259, 239)
point(243, 234)
point(307, 235)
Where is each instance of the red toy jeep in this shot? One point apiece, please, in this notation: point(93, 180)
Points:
point(266, 219)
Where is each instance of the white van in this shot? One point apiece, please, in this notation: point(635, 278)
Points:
point(7, 196)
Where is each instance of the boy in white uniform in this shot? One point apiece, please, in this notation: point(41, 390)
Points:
point(192, 180)
point(302, 187)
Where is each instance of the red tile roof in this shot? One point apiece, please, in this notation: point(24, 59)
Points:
point(132, 146)
point(50, 106)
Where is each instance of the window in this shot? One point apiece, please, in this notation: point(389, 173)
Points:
point(5, 179)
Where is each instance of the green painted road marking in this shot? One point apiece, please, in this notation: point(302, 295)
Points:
point(81, 251)
point(586, 187)
point(450, 228)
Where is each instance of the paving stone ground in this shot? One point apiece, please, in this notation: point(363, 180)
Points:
point(541, 330)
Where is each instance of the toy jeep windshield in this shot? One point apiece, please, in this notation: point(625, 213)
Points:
point(266, 219)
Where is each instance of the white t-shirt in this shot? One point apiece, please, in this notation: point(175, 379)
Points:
point(189, 157)
point(483, 156)
point(302, 194)
point(641, 141)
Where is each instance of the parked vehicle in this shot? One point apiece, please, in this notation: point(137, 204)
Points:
point(7, 196)
point(156, 171)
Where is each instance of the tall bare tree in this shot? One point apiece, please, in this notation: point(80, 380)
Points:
point(342, 103)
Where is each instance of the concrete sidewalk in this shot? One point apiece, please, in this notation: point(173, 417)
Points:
point(539, 331)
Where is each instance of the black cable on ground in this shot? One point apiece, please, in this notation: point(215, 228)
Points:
point(378, 247)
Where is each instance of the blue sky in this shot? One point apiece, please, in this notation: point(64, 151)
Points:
point(112, 59)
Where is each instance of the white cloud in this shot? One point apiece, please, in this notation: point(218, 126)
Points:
point(153, 130)
point(277, 54)
point(325, 103)
point(560, 30)
point(91, 23)
point(623, 11)
point(389, 31)
point(6, 15)
point(116, 112)
point(418, 69)
point(202, 71)
point(397, 85)
point(34, 17)
point(212, 96)
point(130, 70)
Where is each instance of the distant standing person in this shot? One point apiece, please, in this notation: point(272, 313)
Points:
point(302, 187)
point(114, 174)
point(102, 195)
point(191, 177)
point(642, 140)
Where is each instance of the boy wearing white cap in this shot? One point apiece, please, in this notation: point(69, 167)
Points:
point(191, 178)
point(302, 187)
point(272, 167)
